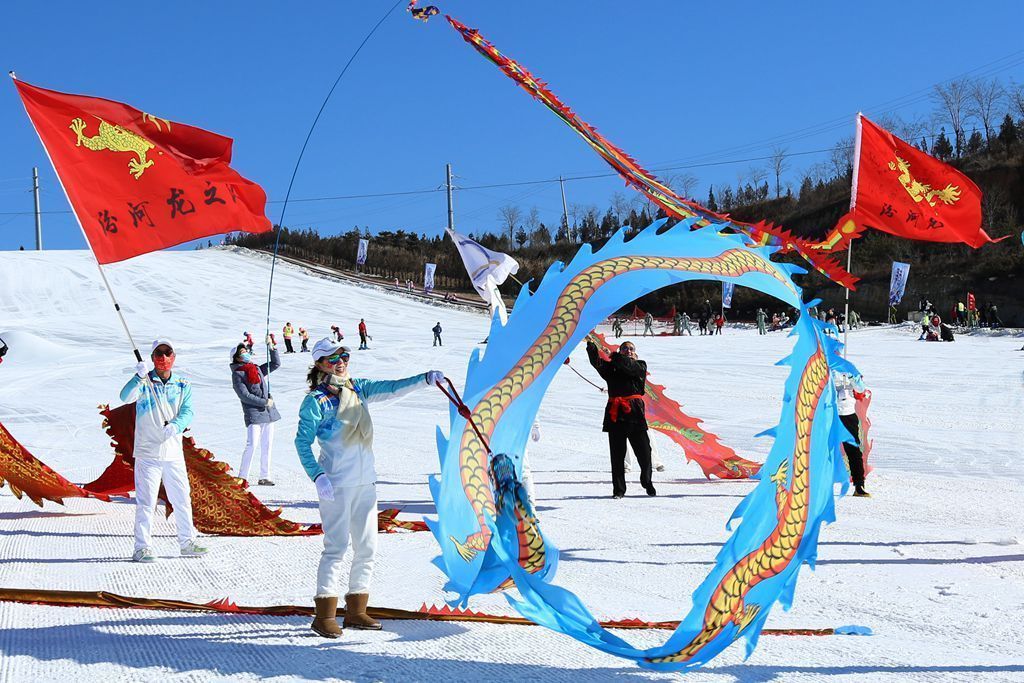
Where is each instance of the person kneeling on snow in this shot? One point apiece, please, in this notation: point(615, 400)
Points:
point(335, 414)
point(163, 410)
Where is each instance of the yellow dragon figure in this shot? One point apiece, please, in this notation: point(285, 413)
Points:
point(116, 139)
point(728, 602)
point(473, 455)
point(920, 192)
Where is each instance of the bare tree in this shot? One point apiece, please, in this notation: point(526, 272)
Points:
point(683, 184)
point(841, 157)
point(1017, 98)
point(779, 165)
point(575, 211)
point(954, 98)
point(986, 96)
point(533, 219)
point(510, 216)
point(620, 207)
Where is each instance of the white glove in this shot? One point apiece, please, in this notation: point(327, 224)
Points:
point(434, 376)
point(535, 432)
point(170, 431)
point(141, 370)
point(324, 490)
point(270, 403)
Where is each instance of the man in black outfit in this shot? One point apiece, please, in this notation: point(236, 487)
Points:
point(624, 417)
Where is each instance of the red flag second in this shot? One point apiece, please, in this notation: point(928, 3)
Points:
point(905, 192)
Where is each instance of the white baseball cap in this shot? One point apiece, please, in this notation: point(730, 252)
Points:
point(326, 347)
point(161, 342)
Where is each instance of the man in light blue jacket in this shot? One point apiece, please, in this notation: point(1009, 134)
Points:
point(335, 414)
point(163, 410)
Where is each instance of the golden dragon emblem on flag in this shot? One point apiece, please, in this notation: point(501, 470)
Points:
point(116, 139)
point(921, 192)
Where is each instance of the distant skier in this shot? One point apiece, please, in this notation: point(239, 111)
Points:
point(335, 414)
point(287, 333)
point(437, 334)
point(248, 341)
point(761, 316)
point(304, 336)
point(719, 323)
point(336, 334)
point(3, 350)
point(704, 317)
point(648, 322)
point(163, 410)
point(677, 324)
point(253, 390)
point(617, 327)
point(363, 336)
point(684, 319)
point(527, 478)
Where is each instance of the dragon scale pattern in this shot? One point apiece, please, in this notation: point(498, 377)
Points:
point(727, 604)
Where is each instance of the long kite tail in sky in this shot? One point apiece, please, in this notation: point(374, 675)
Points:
point(818, 254)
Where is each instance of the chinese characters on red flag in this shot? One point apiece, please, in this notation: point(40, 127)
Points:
point(903, 191)
point(139, 183)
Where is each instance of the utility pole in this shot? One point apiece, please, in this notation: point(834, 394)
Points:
point(39, 216)
point(565, 210)
point(451, 212)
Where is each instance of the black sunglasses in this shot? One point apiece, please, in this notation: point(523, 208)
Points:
point(168, 353)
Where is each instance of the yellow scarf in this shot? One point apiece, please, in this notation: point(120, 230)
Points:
point(352, 412)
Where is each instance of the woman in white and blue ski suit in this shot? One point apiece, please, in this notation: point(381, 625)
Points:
point(163, 410)
point(335, 414)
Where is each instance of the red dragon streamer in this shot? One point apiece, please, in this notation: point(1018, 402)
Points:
point(761, 234)
point(221, 503)
point(28, 475)
point(699, 445)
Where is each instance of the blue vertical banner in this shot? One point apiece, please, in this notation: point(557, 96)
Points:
point(361, 255)
point(727, 288)
point(898, 282)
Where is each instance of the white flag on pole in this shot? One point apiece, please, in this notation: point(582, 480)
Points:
point(487, 269)
point(361, 254)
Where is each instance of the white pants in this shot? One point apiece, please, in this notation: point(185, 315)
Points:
point(148, 474)
point(353, 512)
point(528, 476)
point(655, 455)
point(261, 435)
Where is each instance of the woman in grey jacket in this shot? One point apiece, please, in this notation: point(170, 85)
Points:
point(250, 384)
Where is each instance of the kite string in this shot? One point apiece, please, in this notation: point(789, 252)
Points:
point(295, 171)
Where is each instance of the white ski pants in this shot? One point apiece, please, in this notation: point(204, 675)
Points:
point(262, 436)
point(148, 474)
point(352, 513)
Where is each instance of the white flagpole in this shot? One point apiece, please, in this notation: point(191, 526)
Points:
point(103, 276)
point(849, 247)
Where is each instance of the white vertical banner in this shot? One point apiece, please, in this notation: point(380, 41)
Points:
point(361, 255)
point(428, 277)
point(727, 289)
point(898, 282)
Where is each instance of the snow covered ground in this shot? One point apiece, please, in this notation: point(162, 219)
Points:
point(934, 563)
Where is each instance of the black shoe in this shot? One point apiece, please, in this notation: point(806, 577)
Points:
point(859, 492)
point(617, 496)
point(651, 491)
point(264, 482)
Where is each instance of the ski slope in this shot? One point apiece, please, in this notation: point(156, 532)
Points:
point(934, 563)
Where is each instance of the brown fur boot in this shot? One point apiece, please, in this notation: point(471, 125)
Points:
point(355, 613)
point(324, 622)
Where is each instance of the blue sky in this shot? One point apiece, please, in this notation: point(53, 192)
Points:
point(673, 83)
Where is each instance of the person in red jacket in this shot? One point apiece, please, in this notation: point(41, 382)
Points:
point(362, 335)
point(719, 322)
